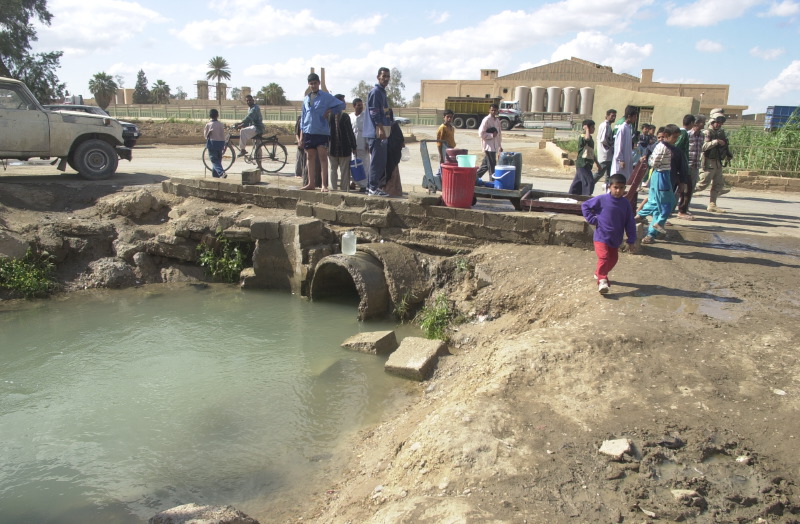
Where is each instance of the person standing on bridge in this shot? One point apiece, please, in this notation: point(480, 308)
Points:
point(491, 140)
point(316, 131)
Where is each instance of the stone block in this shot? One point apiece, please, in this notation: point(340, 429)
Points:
point(251, 176)
point(415, 358)
point(469, 216)
point(323, 212)
point(304, 209)
point(502, 220)
point(375, 342)
point(378, 218)
point(615, 448)
point(193, 513)
point(266, 229)
point(424, 199)
point(441, 212)
point(349, 217)
point(237, 234)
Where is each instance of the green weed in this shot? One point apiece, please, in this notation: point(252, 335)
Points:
point(29, 277)
point(772, 153)
point(225, 260)
point(436, 318)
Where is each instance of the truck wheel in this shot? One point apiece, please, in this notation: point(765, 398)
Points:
point(472, 122)
point(95, 160)
point(458, 122)
point(505, 124)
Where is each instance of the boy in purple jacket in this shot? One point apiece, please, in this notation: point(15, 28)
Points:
point(612, 215)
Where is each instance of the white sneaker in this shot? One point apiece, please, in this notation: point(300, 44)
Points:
point(602, 286)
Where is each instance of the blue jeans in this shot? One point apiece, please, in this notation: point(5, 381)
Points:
point(378, 150)
point(215, 148)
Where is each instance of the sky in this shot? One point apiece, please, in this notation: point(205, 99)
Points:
point(753, 45)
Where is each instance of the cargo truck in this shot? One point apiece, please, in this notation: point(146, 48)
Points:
point(777, 116)
point(470, 111)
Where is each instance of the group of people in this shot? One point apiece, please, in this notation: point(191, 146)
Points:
point(328, 136)
point(490, 133)
point(674, 165)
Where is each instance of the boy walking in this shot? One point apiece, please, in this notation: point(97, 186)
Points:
point(612, 215)
point(214, 133)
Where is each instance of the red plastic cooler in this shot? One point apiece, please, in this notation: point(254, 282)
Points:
point(458, 185)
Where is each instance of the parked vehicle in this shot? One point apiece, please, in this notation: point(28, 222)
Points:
point(777, 116)
point(90, 144)
point(469, 111)
point(130, 131)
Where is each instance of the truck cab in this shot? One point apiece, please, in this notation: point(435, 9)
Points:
point(90, 144)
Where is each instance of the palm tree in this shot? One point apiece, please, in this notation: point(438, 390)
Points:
point(273, 95)
point(220, 69)
point(160, 92)
point(103, 87)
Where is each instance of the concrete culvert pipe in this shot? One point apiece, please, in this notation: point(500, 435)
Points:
point(338, 275)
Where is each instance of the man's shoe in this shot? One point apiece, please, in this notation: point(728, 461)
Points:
point(378, 192)
point(602, 286)
point(660, 229)
point(648, 240)
point(242, 153)
point(723, 192)
point(712, 208)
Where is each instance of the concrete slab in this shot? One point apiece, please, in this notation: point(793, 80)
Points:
point(375, 342)
point(415, 358)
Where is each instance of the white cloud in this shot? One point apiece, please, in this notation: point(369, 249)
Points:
point(785, 8)
point(600, 48)
point(767, 54)
point(80, 27)
point(273, 24)
point(787, 81)
point(709, 46)
point(439, 18)
point(706, 13)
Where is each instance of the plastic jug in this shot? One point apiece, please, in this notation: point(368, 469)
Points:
point(349, 243)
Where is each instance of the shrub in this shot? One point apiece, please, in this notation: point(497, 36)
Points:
point(29, 277)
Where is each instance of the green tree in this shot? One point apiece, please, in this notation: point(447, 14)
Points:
point(179, 94)
point(394, 91)
point(236, 93)
point(16, 61)
point(220, 70)
point(160, 92)
point(103, 87)
point(141, 94)
point(361, 91)
point(272, 95)
point(414, 100)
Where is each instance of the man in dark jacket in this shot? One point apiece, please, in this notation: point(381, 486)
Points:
point(342, 146)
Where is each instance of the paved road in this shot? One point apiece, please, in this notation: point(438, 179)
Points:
point(755, 213)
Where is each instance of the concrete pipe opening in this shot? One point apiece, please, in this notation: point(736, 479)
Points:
point(360, 274)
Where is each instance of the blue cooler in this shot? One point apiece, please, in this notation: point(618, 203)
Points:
point(357, 172)
point(504, 177)
point(508, 158)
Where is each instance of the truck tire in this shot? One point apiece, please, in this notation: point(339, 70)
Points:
point(458, 122)
point(95, 160)
point(472, 122)
point(505, 124)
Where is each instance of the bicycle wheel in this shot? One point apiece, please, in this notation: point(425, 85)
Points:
point(271, 157)
point(228, 157)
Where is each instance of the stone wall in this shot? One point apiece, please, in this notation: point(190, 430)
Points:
point(418, 221)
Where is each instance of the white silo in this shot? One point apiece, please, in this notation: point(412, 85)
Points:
point(587, 100)
point(522, 94)
point(537, 99)
point(553, 99)
point(570, 99)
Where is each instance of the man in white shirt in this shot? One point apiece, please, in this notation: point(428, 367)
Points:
point(490, 133)
point(357, 119)
point(605, 145)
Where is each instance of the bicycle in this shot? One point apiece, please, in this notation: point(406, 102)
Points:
point(267, 153)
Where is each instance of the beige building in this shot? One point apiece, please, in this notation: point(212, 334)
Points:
point(573, 86)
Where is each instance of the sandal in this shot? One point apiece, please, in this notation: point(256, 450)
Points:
point(648, 240)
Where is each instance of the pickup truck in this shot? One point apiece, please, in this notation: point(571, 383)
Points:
point(90, 144)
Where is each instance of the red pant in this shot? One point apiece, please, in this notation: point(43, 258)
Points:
point(607, 257)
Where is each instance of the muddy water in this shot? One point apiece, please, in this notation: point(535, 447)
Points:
point(116, 405)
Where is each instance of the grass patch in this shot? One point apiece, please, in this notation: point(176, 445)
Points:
point(30, 276)
point(435, 319)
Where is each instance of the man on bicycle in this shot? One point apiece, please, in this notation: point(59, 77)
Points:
point(251, 126)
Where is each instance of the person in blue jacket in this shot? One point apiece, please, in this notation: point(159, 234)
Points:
point(315, 131)
point(377, 128)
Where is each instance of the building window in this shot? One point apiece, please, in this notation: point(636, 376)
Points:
point(505, 90)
